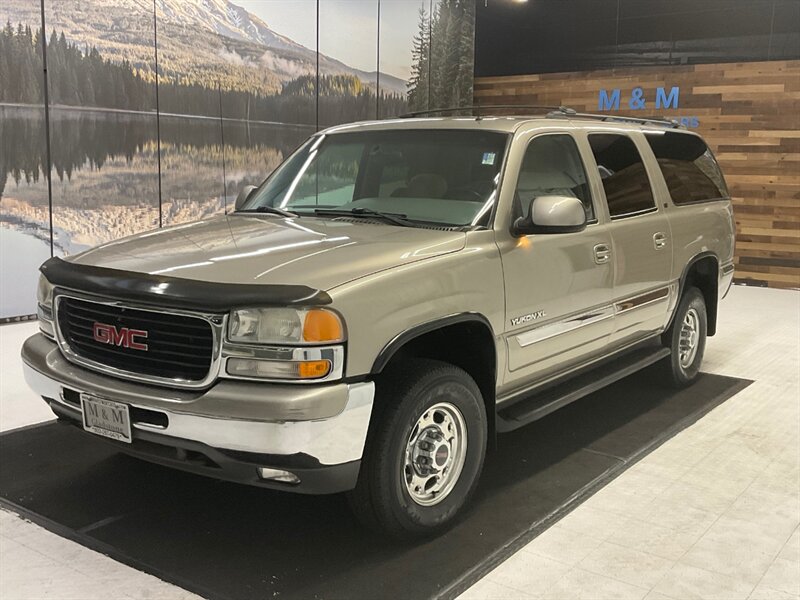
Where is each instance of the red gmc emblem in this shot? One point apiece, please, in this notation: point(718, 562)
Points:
point(124, 337)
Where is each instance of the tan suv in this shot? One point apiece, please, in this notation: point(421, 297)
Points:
point(390, 298)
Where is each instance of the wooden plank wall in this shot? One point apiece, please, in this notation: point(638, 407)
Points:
point(749, 113)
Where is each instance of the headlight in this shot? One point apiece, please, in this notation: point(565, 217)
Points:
point(44, 308)
point(284, 326)
point(284, 344)
point(300, 363)
point(271, 369)
point(44, 292)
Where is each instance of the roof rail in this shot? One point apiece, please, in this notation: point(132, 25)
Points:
point(477, 108)
point(659, 121)
point(551, 112)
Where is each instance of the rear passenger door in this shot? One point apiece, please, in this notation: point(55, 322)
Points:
point(641, 239)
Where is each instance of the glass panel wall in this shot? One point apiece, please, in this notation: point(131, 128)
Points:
point(236, 91)
point(451, 53)
point(404, 26)
point(348, 61)
point(24, 201)
point(103, 132)
point(262, 125)
point(190, 77)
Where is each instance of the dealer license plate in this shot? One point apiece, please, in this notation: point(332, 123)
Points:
point(106, 418)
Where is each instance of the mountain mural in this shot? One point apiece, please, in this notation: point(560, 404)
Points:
point(235, 96)
point(204, 42)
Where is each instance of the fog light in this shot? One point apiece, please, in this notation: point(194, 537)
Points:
point(278, 475)
point(278, 369)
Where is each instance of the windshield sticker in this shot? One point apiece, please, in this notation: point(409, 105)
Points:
point(488, 158)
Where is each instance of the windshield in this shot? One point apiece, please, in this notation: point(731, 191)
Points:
point(442, 177)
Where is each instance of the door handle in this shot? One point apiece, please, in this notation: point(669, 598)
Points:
point(602, 254)
point(659, 240)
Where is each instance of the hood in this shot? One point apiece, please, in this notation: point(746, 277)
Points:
point(265, 249)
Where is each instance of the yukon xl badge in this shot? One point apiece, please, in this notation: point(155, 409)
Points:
point(527, 318)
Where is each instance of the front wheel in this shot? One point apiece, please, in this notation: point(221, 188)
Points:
point(424, 451)
point(686, 337)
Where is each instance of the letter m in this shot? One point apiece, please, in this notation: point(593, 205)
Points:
point(664, 101)
point(119, 337)
point(604, 102)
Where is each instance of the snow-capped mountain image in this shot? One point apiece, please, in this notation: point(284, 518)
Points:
point(207, 42)
point(159, 111)
point(226, 19)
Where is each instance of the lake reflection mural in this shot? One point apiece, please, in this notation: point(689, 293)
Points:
point(160, 112)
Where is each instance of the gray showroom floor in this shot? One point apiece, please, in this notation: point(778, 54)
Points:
point(713, 513)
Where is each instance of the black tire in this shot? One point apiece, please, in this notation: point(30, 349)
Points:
point(381, 500)
point(676, 371)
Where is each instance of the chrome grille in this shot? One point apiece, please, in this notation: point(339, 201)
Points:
point(179, 347)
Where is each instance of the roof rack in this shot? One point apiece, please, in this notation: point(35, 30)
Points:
point(476, 108)
point(660, 121)
point(551, 112)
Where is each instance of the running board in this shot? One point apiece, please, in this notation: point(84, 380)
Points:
point(540, 404)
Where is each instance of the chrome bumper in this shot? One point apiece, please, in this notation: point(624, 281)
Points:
point(326, 425)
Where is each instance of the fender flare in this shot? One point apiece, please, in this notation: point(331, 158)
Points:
point(396, 343)
point(712, 315)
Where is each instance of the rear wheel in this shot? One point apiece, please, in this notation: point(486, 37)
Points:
point(686, 337)
point(424, 452)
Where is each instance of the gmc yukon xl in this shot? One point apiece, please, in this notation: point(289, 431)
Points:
point(391, 297)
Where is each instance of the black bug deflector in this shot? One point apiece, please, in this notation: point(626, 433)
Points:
point(175, 292)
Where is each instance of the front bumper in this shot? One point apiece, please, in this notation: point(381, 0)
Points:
point(227, 431)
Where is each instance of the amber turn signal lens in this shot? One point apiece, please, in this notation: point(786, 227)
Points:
point(322, 326)
point(313, 369)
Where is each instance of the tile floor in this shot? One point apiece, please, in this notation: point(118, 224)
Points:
point(713, 513)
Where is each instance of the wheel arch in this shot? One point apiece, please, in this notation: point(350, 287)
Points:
point(465, 340)
point(702, 272)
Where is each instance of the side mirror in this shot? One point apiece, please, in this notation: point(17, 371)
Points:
point(244, 196)
point(552, 214)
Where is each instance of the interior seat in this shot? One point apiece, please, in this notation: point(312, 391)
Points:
point(423, 185)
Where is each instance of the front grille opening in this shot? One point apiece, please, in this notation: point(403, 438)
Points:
point(72, 397)
point(172, 453)
point(195, 458)
point(151, 417)
point(178, 347)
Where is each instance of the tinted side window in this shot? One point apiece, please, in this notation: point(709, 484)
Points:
point(689, 168)
point(552, 166)
point(624, 177)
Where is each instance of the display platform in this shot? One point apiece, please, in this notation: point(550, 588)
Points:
point(224, 540)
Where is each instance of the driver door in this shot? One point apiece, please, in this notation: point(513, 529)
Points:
point(558, 286)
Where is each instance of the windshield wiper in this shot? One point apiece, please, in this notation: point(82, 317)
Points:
point(361, 211)
point(273, 210)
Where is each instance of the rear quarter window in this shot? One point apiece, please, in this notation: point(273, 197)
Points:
point(625, 180)
point(690, 170)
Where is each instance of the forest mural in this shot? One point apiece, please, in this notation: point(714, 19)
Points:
point(159, 112)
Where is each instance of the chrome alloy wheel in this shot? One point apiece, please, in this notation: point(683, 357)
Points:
point(435, 454)
point(689, 337)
